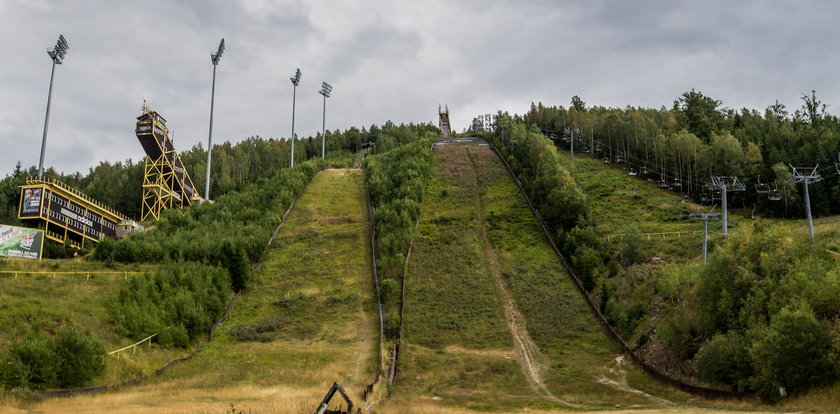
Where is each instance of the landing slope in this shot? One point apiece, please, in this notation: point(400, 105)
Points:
point(491, 319)
point(309, 319)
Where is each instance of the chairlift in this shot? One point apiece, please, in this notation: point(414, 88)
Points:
point(676, 184)
point(762, 188)
point(664, 184)
point(631, 173)
point(607, 161)
point(618, 160)
point(774, 195)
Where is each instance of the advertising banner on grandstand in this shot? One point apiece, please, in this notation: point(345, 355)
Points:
point(21, 242)
point(30, 203)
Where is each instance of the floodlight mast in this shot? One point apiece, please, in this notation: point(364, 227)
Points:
point(57, 56)
point(295, 81)
point(326, 89)
point(215, 60)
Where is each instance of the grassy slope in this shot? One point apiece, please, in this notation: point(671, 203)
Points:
point(319, 271)
point(42, 302)
point(621, 202)
point(458, 350)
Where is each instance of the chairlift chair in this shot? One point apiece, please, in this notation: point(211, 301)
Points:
point(676, 184)
point(774, 195)
point(607, 161)
point(762, 188)
point(664, 184)
point(632, 172)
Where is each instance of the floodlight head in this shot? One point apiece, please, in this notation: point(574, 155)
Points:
point(326, 89)
point(296, 78)
point(59, 51)
point(215, 58)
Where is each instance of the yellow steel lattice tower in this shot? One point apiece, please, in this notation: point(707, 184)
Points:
point(166, 183)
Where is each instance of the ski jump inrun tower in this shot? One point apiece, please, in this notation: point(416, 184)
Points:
point(443, 116)
point(166, 183)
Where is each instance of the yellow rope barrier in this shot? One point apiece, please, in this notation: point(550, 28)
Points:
point(133, 345)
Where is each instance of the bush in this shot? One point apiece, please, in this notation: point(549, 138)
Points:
point(235, 261)
point(726, 360)
point(31, 363)
point(795, 352)
point(179, 302)
point(79, 357)
point(70, 359)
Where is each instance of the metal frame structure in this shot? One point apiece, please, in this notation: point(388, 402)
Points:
point(326, 90)
point(705, 217)
point(811, 176)
point(725, 185)
point(166, 183)
point(57, 56)
point(69, 216)
point(336, 387)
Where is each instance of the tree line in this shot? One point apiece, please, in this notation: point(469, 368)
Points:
point(684, 145)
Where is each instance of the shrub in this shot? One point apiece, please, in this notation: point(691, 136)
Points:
point(179, 302)
point(79, 357)
point(726, 360)
point(33, 364)
point(795, 352)
point(70, 359)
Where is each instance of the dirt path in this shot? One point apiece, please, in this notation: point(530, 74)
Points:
point(619, 381)
point(527, 352)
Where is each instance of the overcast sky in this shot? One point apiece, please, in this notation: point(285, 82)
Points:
point(391, 60)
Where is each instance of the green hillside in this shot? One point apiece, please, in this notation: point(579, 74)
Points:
point(491, 319)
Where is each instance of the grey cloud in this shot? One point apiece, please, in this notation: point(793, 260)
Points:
point(394, 60)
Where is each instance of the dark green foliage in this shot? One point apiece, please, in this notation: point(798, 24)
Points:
point(235, 261)
point(245, 219)
point(795, 352)
point(69, 359)
point(397, 180)
point(726, 360)
point(31, 362)
point(179, 301)
point(697, 137)
point(79, 357)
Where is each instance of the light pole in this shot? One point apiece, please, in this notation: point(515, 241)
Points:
point(326, 89)
point(215, 59)
point(295, 81)
point(57, 56)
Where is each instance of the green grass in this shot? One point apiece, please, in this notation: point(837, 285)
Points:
point(309, 317)
point(459, 349)
point(33, 302)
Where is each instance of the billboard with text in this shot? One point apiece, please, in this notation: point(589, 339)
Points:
point(21, 242)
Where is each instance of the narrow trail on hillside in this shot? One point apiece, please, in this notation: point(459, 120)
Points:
point(526, 351)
